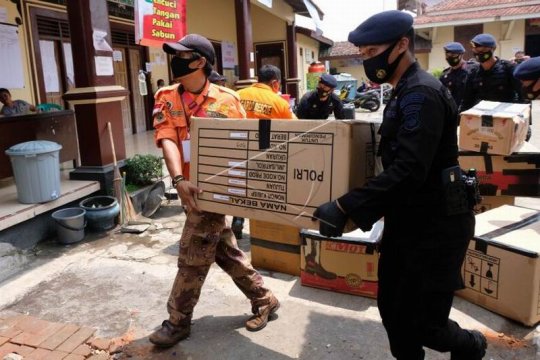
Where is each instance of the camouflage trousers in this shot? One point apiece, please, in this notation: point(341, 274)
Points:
point(206, 239)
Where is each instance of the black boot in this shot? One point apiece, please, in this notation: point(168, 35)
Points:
point(237, 227)
point(314, 267)
point(475, 351)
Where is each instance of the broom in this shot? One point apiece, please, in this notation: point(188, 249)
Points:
point(122, 197)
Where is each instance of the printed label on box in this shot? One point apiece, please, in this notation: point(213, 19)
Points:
point(481, 273)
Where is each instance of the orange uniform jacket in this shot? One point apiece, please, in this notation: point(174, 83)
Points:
point(172, 112)
point(260, 102)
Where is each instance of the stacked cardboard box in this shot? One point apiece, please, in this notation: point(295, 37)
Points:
point(347, 264)
point(275, 247)
point(502, 265)
point(279, 171)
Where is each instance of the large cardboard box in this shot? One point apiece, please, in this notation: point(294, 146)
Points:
point(492, 202)
point(275, 247)
point(347, 264)
point(517, 174)
point(502, 265)
point(494, 128)
point(278, 171)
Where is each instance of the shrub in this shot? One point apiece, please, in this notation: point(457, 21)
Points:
point(143, 169)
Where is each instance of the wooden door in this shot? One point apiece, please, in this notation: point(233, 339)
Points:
point(464, 35)
point(136, 97)
point(121, 78)
point(272, 54)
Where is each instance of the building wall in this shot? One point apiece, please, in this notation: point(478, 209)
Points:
point(350, 67)
point(305, 47)
point(26, 93)
point(436, 59)
point(266, 26)
point(423, 60)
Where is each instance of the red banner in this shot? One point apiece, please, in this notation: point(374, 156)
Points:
point(159, 21)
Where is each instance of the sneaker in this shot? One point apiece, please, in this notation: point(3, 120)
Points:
point(261, 314)
point(169, 334)
point(477, 351)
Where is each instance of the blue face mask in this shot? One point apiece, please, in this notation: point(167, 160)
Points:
point(378, 69)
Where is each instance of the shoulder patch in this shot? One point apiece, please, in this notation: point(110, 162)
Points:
point(410, 106)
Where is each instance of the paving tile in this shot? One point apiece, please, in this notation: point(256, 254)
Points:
point(76, 339)
point(56, 355)
point(100, 343)
point(83, 350)
point(25, 350)
point(29, 324)
point(38, 354)
point(8, 348)
point(101, 356)
point(8, 329)
point(3, 340)
point(5, 314)
point(38, 334)
point(59, 337)
point(74, 357)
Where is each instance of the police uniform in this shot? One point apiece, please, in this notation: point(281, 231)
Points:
point(312, 107)
point(422, 247)
point(494, 84)
point(529, 70)
point(261, 102)
point(455, 78)
point(206, 238)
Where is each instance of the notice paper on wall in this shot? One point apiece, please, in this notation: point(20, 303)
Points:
point(48, 61)
point(11, 71)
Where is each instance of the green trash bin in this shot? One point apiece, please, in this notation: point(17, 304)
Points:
point(36, 169)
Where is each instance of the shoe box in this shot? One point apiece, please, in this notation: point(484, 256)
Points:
point(501, 270)
point(494, 128)
point(347, 264)
point(279, 171)
point(517, 174)
point(275, 247)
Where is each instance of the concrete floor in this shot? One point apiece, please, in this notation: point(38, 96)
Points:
point(119, 284)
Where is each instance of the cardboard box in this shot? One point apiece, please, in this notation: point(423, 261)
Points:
point(275, 247)
point(494, 127)
point(347, 264)
point(502, 265)
point(517, 174)
point(492, 202)
point(278, 171)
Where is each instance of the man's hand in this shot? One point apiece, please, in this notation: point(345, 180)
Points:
point(186, 192)
point(331, 219)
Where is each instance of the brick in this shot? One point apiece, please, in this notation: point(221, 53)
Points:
point(8, 330)
point(8, 348)
point(74, 357)
point(76, 339)
point(59, 337)
point(38, 354)
point(100, 343)
point(25, 350)
point(3, 340)
point(83, 350)
point(56, 355)
point(29, 324)
point(100, 356)
point(38, 334)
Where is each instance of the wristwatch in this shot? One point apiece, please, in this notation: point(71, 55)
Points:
point(177, 179)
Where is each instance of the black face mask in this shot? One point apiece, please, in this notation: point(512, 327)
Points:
point(378, 69)
point(530, 93)
point(482, 57)
point(180, 67)
point(322, 93)
point(518, 61)
point(453, 60)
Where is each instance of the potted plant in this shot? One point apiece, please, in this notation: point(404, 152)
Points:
point(144, 174)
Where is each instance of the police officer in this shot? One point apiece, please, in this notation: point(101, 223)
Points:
point(455, 76)
point(320, 103)
point(528, 72)
point(493, 79)
point(425, 237)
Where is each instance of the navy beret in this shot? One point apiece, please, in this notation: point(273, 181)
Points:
point(328, 80)
point(382, 28)
point(485, 40)
point(528, 70)
point(454, 47)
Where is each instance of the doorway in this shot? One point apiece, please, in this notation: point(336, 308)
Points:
point(271, 54)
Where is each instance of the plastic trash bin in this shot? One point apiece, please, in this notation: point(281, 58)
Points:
point(36, 168)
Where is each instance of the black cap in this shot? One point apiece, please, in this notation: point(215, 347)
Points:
point(215, 76)
point(382, 28)
point(528, 70)
point(486, 40)
point(192, 42)
point(328, 80)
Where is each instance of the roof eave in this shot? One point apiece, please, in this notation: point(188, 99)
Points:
point(476, 21)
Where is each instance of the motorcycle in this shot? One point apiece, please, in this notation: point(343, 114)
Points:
point(366, 100)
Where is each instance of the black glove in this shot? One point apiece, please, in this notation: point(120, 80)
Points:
point(331, 219)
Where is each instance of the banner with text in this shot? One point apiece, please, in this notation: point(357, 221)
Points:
point(159, 21)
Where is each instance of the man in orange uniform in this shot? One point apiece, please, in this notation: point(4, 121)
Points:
point(206, 238)
point(261, 101)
